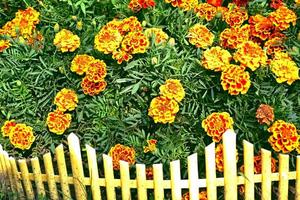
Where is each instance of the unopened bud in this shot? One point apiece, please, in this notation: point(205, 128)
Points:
point(56, 27)
point(154, 61)
point(172, 42)
point(79, 25)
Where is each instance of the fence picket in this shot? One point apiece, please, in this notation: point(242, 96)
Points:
point(175, 179)
point(25, 177)
point(230, 172)
point(11, 185)
point(35, 164)
point(4, 169)
point(50, 175)
point(17, 178)
point(210, 168)
point(266, 174)
point(193, 176)
point(283, 176)
point(109, 177)
point(141, 181)
point(249, 170)
point(298, 178)
point(158, 181)
point(125, 178)
point(93, 172)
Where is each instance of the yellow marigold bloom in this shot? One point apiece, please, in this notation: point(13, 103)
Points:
point(202, 196)
point(235, 16)
point(284, 68)
point(205, 11)
point(274, 45)
point(21, 136)
point(66, 41)
point(135, 42)
point(92, 88)
point(297, 2)
point(130, 24)
point(121, 56)
point(219, 158)
point(107, 41)
point(261, 27)
point(216, 59)
point(284, 136)
point(7, 126)
point(151, 146)
point(4, 44)
point(121, 152)
point(158, 34)
point(232, 37)
point(200, 36)
point(163, 110)
point(236, 80)
point(81, 63)
point(282, 17)
point(66, 99)
point(58, 122)
point(251, 55)
point(216, 124)
point(183, 4)
point(96, 71)
point(172, 89)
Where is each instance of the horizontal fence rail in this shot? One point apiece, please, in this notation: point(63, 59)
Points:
point(53, 179)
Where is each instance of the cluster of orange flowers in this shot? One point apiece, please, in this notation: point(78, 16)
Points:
point(20, 135)
point(164, 108)
point(66, 41)
point(121, 152)
point(202, 196)
point(58, 121)
point(200, 36)
point(183, 4)
point(122, 39)
point(137, 5)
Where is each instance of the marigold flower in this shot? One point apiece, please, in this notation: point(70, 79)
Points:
point(276, 4)
point(284, 68)
point(216, 59)
point(58, 122)
point(251, 55)
point(235, 16)
point(297, 2)
point(92, 88)
point(202, 196)
point(130, 24)
point(216, 124)
point(274, 45)
point(21, 136)
point(66, 41)
point(108, 40)
point(183, 4)
point(66, 99)
point(232, 37)
point(216, 3)
point(265, 114)
point(261, 27)
point(135, 42)
point(149, 173)
point(7, 127)
point(160, 37)
point(282, 17)
point(284, 136)
point(200, 36)
point(81, 63)
point(151, 146)
point(163, 109)
point(121, 152)
point(172, 89)
point(236, 80)
point(240, 2)
point(137, 5)
point(219, 157)
point(121, 56)
point(205, 11)
point(4, 44)
point(96, 71)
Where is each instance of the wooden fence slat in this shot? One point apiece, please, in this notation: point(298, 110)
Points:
point(36, 168)
point(175, 179)
point(298, 178)
point(76, 164)
point(11, 186)
point(109, 177)
point(25, 177)
point(5, 171)
point(158, 178)
point(93, 172)
point(210, 168)
point(283, 176)
point(230, 172)
point(125, 178)
point(50, 175)
point(193, 176)
point(17, 178)
point(62, 170)
point(2, 169)
point(266, 174)
point(141, 181)
point(249, 170)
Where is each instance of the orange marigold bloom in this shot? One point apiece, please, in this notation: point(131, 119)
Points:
point(274, 45)
point(202, 196)
point(265, 114)
point(121, 56)
point(135, 42)
point(66, 41)
point(151, 146)
point(216, 59)
point(96, 71)
point(205, 11)
point(163, 109)
point(108, 40)
point(216, 3)
point(235, 16)
point(282, 17)
point(219, 158)
point(4, 44)
point(276, 4)
point(216, 124)
point(160, 37)
point(172, 89)
point(284, 136)
point(92, 88)
point(261, 27)
point(137, 5)
point(130, 24)
point(121, 152)
point(66, 99)
point(149, 173)
point(81, 63)
point(7, 126)
point(236, 80)
point(232, 37)
point(183, 4)
point(58, 122)
point(200, 36)
point(251, 55)
point(21, 136)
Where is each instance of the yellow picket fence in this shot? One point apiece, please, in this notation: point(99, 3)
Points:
point(28, 185)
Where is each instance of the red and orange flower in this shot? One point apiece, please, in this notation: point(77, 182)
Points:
point(58, 122)
point(7, 127)
point(216, 59)
point(235, 16)
point(200, 36)
point(205, 11)
point(135, 42)
point(151, 146)
point(21, 136)
point(232, 37)
point(96, 71)
point(66, 99)
point(282, 17)
point(81, 63)
point(66, 41)
point(172, 89)
point(121, 152)
point(92, 88)
point(4, 44)
point(137, 5)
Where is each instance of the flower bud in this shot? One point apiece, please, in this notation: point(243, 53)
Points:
point(154, 61)
point(172, 42)
point(56, 27)
point(79, 25)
